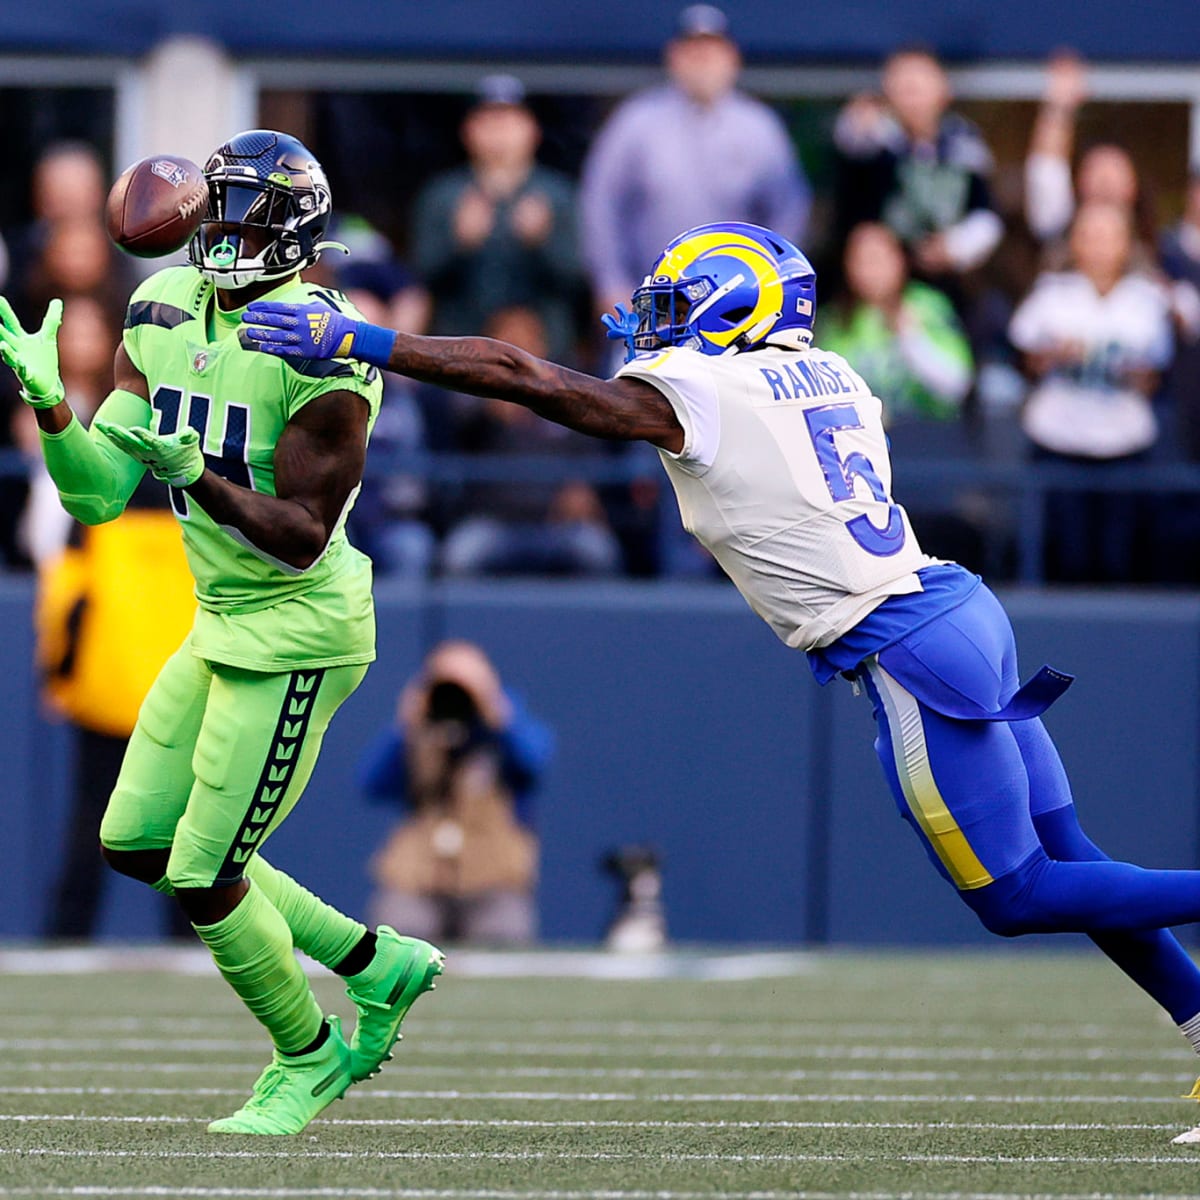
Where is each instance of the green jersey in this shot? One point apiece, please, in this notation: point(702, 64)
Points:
point(864, 337)
point(255, 611)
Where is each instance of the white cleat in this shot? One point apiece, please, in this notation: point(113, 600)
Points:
point(1191, 1138)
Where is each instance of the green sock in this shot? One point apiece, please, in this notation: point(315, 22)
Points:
point(317, 928)
point(164, 886)
point(252, 948)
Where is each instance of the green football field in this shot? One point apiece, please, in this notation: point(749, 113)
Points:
point(552, 1076)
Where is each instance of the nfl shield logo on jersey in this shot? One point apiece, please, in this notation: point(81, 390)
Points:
point(200, 361)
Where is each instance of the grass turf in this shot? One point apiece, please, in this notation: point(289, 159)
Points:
point(984, 1075)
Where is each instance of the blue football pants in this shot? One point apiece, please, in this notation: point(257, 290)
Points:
point(992, 805)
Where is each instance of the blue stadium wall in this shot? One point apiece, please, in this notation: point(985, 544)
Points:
point(683, 723)
point(616, 30)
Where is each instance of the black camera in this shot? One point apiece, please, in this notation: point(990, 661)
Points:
point(452, 702)
point(452, 709)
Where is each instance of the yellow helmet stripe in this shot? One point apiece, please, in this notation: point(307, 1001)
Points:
point(682, 259)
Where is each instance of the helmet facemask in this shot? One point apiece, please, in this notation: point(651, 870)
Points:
point(268, 208)
point(669, 311)
point(723, 288)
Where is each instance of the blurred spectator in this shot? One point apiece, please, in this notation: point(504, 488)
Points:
point(464, 758)
point(691, 151)
point(112, 606)
point(77, 258)
point(113, 602)
point(501, 230)
point(372, 266)
point(388, 519)
point(68, 183)
point(901, 335)
point(1095, 339)
point(1106, 173)
point(1180, 251)
point(907, 161)
point(516, 528)
point(1179, 246)
point(1179, 258)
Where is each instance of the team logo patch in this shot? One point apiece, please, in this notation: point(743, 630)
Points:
point(172, 172)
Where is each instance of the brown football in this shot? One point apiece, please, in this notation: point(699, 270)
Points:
point(156, 205)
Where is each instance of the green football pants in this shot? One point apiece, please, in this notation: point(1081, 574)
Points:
point(218, 759)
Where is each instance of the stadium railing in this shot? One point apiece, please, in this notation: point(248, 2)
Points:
point(1014, 492)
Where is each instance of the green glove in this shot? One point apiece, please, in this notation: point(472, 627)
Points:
point(175, 458)
point(33, 356)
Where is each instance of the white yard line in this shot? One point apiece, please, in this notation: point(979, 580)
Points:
point(370, 1193)
point(456, 1095)
point(607, 1050)
point(466, 1123)
point(655, 1156)
point(881, 1033)
point(860, 1075)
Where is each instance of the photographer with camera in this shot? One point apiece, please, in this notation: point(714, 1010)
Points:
point(464, 758)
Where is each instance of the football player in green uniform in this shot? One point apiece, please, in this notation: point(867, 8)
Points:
point(264, 458)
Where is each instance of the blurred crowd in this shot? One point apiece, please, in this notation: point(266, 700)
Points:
point(1052, 322)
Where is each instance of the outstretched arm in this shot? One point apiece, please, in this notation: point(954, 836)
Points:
point(94, 481)
point(624, 409)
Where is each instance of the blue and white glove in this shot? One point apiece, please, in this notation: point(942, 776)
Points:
point(175, 458)
point(620, 328)
point(313, 330)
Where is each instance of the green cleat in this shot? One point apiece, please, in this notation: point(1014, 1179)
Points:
point(404, 967)
point(294, 1089)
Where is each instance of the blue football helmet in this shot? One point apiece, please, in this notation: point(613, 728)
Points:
point(722, 288)
point(268, 209)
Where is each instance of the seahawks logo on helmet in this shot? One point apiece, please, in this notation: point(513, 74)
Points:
point(268, 209)
point(725, 287)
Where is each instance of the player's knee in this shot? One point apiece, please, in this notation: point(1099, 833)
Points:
point(147, 866)
point(1002, 920)
point(1003, 906)
point(210, 905)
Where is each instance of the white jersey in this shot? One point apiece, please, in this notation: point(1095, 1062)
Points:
point(784, 477)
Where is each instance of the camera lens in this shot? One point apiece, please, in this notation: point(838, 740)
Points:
point(451, 702)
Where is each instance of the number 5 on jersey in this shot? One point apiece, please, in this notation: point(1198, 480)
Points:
point(840, 474)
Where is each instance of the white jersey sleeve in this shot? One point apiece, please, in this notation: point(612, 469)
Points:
point(688, 384)
point(784, 477)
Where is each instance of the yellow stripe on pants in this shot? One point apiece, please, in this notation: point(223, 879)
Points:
point(925, 801)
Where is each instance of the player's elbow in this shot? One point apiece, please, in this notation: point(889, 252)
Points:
point(91, 510)
point(307, 549)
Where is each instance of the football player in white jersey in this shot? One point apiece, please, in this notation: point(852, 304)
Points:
point(778, 457)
